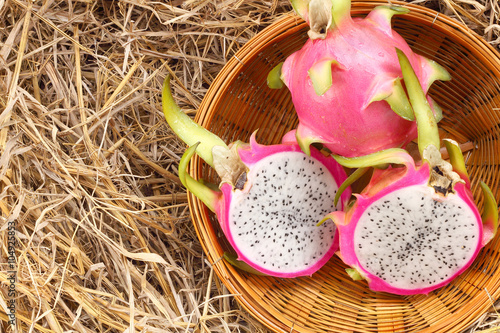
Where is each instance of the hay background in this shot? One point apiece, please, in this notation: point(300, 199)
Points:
point(88, 166)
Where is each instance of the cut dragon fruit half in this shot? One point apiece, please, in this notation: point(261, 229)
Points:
point(270, 198)
point(345, 82)
point(414, 228)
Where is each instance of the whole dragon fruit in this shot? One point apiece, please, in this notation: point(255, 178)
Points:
point(414, 228)
point(270, 197)
point(345, 82)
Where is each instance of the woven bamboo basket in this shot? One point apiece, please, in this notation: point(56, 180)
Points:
point(239, 102)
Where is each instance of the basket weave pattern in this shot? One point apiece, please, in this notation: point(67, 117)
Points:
point(239, 102)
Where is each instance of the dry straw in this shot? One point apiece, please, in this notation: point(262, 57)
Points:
point(330, 301)
point(88, 168)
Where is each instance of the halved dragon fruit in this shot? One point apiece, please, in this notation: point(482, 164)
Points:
point(270, 199)
point(345, 82)
point(414, 228)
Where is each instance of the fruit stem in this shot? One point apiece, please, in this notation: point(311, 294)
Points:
point(341, 11)
point(354, 274)
point(426, 123)
point(338, 217)
point(382, 16)
point(358, 173)
point(274, 80)
point(388, 156)
point(233, 260)
point(322, 15)
point(457, 160)
point(490, 214)
point(186, 129)
point(200, 190)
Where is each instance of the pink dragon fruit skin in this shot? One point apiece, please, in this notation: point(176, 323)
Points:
point(262, 201)
point(345, 82)
point(413, 229)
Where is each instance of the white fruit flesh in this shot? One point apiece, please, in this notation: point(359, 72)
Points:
point(292, 192)
point(412, 241)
